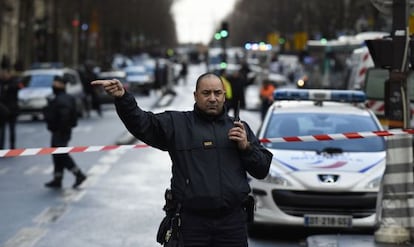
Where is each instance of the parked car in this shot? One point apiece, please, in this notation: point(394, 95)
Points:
point(330, 184)
point(38, 88)
point(139, 79)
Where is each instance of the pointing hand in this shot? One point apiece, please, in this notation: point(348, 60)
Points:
point(112, 87)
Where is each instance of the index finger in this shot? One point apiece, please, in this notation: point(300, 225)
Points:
point(239, 124)
point(103, 82)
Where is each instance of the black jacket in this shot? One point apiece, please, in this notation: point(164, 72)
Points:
point(58, 114)
point(208, 170)
point(9, 95)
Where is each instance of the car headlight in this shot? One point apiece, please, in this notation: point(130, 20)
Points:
point(374, 183)
point(276, 178)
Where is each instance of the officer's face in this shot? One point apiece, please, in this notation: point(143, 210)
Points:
point(58, 85)
point(210, 95)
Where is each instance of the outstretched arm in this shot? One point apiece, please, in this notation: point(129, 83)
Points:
point(112, 87)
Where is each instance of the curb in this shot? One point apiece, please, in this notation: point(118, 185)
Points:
point(347, 241)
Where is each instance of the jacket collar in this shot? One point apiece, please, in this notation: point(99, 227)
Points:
point(210, 118)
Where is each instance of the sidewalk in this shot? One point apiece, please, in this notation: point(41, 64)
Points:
point(347, 241)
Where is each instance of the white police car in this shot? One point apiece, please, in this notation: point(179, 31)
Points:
point(319, 183)
point(38, 88)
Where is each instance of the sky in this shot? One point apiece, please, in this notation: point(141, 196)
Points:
point(196, 20)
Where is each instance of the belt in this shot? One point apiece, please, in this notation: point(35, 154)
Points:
point(211, 213)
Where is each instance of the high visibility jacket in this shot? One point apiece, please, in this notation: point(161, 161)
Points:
point(266, 92)
point(227, 87)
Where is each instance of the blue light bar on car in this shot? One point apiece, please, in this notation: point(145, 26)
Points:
point(353, 96)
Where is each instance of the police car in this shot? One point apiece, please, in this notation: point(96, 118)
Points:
point(319, 183)
point(38, 88)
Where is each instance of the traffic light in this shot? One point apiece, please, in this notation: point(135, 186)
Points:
point(381, 51)
point(224, 31)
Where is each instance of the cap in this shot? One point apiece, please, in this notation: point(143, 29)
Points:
point(59, 78)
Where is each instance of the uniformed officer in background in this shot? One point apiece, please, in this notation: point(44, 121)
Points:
point(61, 116)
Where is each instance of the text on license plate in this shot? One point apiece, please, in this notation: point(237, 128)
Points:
point(328, 220)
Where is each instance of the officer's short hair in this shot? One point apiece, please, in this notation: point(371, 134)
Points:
point(205, 75)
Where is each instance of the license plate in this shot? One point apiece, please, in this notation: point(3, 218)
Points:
point(328, 221)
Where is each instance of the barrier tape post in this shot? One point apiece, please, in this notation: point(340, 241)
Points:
point(395, 202)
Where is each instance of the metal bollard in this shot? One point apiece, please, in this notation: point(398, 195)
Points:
point(395, 203)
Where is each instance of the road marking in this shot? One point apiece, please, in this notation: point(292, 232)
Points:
point(29, 236)
point(33, 169)
point(74, 195)
point(50, 215)
point(4, 170)
point(26, 237)
point(99, 169)
point(48, 170)
point(85, 128)
point(111, 158)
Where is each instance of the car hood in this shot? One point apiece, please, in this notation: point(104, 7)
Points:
point(138, 78)
point(351, 162)
point(30, 93)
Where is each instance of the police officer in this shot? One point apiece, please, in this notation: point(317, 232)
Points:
point(211, 155)
point(60, 116)
point(9, 88)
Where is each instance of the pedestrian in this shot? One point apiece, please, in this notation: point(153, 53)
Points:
point(9, 87)
point(275, 65)
point(245, 71)
point(4, 114)
point(229, 103)
point(183, 72)
point(61, 116)
point(238, 87)
point(211, 155)
point(92, 95)
point(266, 96)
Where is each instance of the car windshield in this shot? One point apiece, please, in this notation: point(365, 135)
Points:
point(136, 70)
point(132, 73)
point(294, 124)
point(39, 80)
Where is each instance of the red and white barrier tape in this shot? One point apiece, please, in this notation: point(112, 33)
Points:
point(309, 138)
point(62, 150)
point(343, 136)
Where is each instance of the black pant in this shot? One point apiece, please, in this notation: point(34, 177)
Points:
point(11, 122)
point(221, 230)
point(62, 161)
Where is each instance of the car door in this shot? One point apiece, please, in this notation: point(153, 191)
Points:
point(74, 87)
